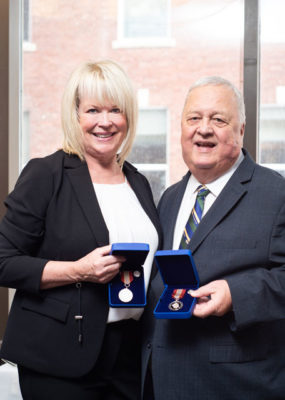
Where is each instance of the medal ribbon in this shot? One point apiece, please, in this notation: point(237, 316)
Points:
point(127, 277)
point(178, 294)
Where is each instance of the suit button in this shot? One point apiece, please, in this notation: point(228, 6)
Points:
point(149, 346)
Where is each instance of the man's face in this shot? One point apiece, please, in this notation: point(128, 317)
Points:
point(212, 134)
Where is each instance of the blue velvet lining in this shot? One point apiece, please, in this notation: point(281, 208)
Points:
point(178, 271)
point(135, 254)
point(137, 287)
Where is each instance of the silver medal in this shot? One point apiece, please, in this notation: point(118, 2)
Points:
point(126, 295)
point(175, 305)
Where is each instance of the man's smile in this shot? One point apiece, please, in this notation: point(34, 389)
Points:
point(205, 144)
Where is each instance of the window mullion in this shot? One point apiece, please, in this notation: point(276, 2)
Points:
point(251, 75)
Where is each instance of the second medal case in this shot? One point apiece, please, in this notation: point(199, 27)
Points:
point(179, 275)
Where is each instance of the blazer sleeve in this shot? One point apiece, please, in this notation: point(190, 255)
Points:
point(258, 295)
point(23, 227)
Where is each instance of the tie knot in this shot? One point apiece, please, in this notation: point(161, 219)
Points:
point(203, 191)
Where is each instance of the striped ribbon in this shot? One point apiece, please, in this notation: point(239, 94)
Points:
point(195, 217)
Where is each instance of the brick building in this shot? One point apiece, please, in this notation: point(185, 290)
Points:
point(163, 51)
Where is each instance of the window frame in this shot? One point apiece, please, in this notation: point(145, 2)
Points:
point(5, 31)
point(251, 75)
point(138, 42)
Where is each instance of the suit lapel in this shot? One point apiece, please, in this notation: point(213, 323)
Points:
point(228, 198)
point(78, 174)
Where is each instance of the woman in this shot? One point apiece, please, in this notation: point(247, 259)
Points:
point(55, 239)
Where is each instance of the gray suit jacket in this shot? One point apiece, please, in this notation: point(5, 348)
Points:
point(240, 239)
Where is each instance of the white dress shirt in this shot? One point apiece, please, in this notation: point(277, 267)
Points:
point(189, 198)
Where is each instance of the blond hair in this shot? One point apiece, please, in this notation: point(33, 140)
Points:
point(104, 81)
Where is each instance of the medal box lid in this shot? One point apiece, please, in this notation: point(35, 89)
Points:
point(177, 268)
point(135, 253)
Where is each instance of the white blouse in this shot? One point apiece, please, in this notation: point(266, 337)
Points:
point(127, 222)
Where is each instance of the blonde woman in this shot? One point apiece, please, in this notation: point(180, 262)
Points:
point(55, 239)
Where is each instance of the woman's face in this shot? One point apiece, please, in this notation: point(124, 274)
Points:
point(104, 129)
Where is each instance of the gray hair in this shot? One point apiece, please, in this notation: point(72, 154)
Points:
point(219, 81)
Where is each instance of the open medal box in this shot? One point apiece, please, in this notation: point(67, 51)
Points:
point(179, 275)
point(127, 289)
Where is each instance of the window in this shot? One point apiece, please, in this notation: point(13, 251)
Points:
point(272, 132)
point(26, 26)
point(139, 22)
point(143, 23)
point(149, 152)
point(150, 143)
point(272, 85)
point(26, 20)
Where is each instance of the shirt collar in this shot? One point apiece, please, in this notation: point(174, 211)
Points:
point(217, 185)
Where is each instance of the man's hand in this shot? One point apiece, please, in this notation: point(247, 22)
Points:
point(212, 299)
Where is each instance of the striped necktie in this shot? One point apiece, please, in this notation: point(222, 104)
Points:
point(195, 217)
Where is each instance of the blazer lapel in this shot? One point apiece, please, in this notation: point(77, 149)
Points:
point(80, 179)
point(79, 176)
point(228, 198)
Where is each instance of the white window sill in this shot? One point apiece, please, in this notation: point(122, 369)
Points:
point(29, 46)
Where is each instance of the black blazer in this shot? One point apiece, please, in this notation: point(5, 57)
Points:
point(240, 239)
point(53, 214)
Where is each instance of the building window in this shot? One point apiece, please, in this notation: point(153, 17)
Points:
point(272, 85)
point(144, 23)
point(26, 20)
point(137, 21)
point(149, 153)
point(272, 128)
point(26, 26)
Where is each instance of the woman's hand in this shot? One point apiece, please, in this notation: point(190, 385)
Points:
point(98, 266)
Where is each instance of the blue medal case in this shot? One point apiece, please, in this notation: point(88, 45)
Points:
point(135, 254)
point(178, 271)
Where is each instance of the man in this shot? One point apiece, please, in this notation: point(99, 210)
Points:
point(233, 347)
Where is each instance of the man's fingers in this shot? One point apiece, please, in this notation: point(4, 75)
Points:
point(203, 291)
